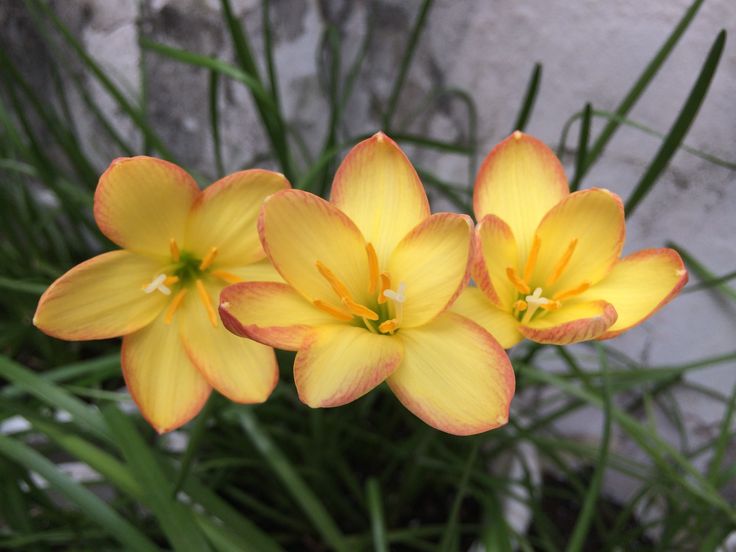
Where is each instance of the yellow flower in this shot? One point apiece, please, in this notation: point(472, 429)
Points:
point(369, 276)
point(547, 262)
point(181, 246)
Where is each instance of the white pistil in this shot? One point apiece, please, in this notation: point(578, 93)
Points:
point(398, 297)
point(533, 301)
point(158, 284)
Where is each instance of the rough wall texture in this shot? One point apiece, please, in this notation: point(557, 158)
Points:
point(591, 51)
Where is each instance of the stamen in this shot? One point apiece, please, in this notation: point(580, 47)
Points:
point(385, 284)
point(175, 255)
point(388, 326)
point(208, 259)
point(174, 305)
point(562, 263)
point(359, 310)
point(551, 306)
point(520, 285)
point(520, 305)
point(337, 286)
point(227, 276)
point(207, 302)
point(372, 267)
point(571, 292)
point(531, 261)
point(329, 309)
point(157, 284)
point(170, 280)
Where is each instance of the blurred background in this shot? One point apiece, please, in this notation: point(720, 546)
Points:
point(84, 82)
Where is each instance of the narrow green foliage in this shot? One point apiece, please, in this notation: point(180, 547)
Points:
point(530, 97)
point(680, 127)
point(581, 156)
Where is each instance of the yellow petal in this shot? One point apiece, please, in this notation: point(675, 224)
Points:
point(298, 229)
point(639, 285)
point(575, 321)
point(339, 364)
point(595, 218)
point(377, 186)
point(101, 298)
point(495, 253)
point(225, 216)
point(141, 203)
point(454, 376)
point(242, 370)
point(432, 262)
point(500, 323)
point(271, 313)
point(260, 271)
point(519, 181)
point(166, 386)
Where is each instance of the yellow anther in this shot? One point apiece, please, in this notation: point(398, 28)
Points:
point(531, 260)
point(519, 284)
point(571, 292)
point(563, 262)
point(227, 276)
point(175, 255)
point(388, 326)
point(385, 284)
point(207, 302)
point(520, 305)
point(170, 280)
point(208, 259)
point(329, 309)
point(372, 267)
point(551, 306)
point(359, 310)
point(337, 286)
point(173, 306)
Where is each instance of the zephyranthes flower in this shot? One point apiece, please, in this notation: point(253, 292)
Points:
point(547, 262)
point(181, 247)
point(369, 276)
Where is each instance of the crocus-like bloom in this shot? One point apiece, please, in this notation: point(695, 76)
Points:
point(370, 276)
point(547, 262)
point(181, 246)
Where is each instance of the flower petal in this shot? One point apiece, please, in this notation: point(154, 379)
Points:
point(339, 364)
point(454, 376)
point(495, 252)
point(243, 370)
point(298, 229)
point(260, 271)
point(432, 261)
point(378, 188)
point(101, 298)
point(575, 321)
point(269, 312)
point(595, 219)
point(500, 323)
point(166, 386)
point(225, 216)
point(519, 181)
point(141, 203)
point(639, 285)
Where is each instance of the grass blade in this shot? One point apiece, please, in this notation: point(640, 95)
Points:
point(532, 89)
point(176, 521)
point(681, 125)
point(581, 158)
point(405, 63)
point(587, 512)
point(375, 509)
point(302, 494)
point(94, 508)
point(641, 83)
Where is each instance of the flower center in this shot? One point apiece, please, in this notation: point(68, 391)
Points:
point(185, 271)
point(384, 316)
point(529, 303)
